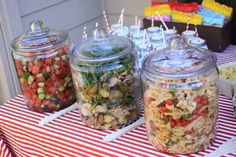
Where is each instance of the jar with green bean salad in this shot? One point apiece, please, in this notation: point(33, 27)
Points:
point(105, 77)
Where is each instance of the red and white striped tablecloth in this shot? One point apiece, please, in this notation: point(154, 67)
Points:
point(68, 136)
point(4, 151)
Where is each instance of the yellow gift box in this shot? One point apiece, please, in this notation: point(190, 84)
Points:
point(163, 9)
point(217, 7)
point(195, 19)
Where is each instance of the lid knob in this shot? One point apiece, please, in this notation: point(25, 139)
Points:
point(98, 34)
point(178, 43)
point(36, 25)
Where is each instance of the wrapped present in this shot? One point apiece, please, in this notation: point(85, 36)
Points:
point(211, 18)
point(185, 7)
point(148, 11)
point(162, 9)
point(217, 7)
point(179, 16)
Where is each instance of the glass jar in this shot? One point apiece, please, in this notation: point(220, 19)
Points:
point(143, 49)
point(41, 58)
point(169, 34)
point(137, 38)
point(197, 42)
point(157, 42)
point(133, 29)
point(153, 31)
point(188, 34)
point(180, 92)
point(104, 71)
point(123, 32)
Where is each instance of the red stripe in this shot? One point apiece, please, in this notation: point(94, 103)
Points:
point(18, 117)
point(45, 138)
point(17, 113)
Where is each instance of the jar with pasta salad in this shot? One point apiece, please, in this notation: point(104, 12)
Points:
point(180, 92)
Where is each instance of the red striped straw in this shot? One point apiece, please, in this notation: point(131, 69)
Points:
point(188, 22)
point(106, 20)
point(84, 32)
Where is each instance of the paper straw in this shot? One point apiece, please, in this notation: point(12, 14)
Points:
point(144, 36)
point(139, 25)
point(121, 14)
point(85, 36)
point(96, 29)
point(106, 20)
point(136, 20)
point(163, 36)
point(196, 31)
point(152, 25)
point(84, 32)
point(188, 22)
point(162, 21)
point(174, 29)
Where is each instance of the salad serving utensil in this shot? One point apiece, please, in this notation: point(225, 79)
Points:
point(58, 114)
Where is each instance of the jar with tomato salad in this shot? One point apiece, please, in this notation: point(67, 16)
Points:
point(180, 92)
point(41, 58)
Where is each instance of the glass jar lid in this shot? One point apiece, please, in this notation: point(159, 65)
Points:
point(102, 47)
point(179, 60)
point(39, 37)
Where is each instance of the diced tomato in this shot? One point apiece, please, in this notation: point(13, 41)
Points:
point(57, 72)
point(34, 85)
point(39, 64)
point(35, 70)
point(169, 102)
point(18, 64)
point(52, 107)
point(25, 86)
point(34, 97)
point(163, 109)
point(38, 101)
point(61, 64)
point(53, 78)
point(61, 96)
point(49, 83)
point(20, 72)
point(60, 52)
point(48, 69)
point(64, 72)
point(59, 83)
point(52, 90)
point(68, 93)
point(48, 61)
point(40, 79)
